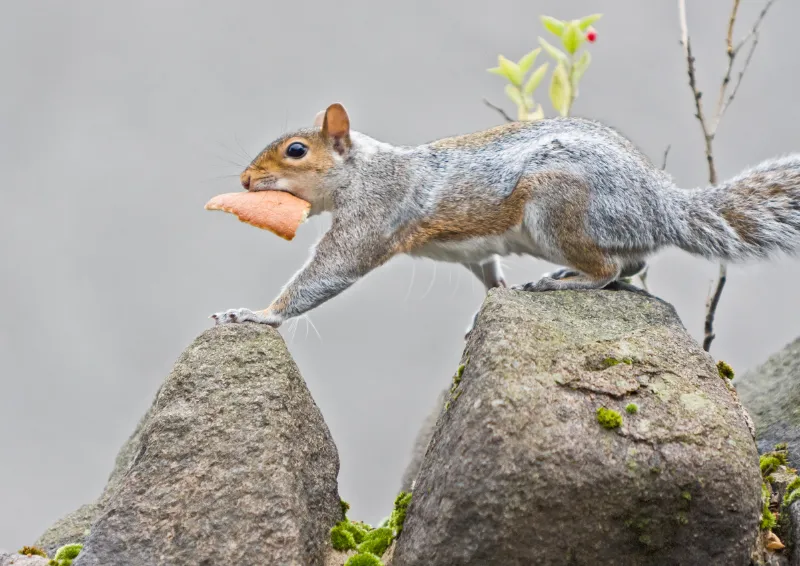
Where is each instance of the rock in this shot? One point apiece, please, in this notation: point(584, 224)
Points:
point(519, 471)
point(234, 465)
point(7, 559)
point(793, 540)
point(771, 393)
point(421, 442)
point(75, 527)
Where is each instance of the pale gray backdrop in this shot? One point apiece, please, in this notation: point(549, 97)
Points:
point(119, 120)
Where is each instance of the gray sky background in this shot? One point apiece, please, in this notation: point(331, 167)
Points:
point(119, 120)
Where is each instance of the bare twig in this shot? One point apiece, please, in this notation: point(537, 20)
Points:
point(722, 103)
point(735, 89)
point(666, 154)
point(711, 308)
point(710, 131)
point(731, 58)
point(708, 136)
point(499, 110)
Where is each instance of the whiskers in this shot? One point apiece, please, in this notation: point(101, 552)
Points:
point(295, 322)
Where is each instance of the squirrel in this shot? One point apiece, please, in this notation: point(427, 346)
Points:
point(568, 190)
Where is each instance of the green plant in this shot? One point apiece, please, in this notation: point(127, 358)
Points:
point(32, 551)
point(608, 418)
point(568, 70)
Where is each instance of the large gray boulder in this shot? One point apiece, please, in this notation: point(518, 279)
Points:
point(234, 464)
point(771, 393)
point(519, 470)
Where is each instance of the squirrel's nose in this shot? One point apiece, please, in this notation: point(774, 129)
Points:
point(245, 179)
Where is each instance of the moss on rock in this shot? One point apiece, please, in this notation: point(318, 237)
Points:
point(608, 418)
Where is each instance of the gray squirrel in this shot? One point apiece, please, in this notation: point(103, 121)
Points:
point(567, 190)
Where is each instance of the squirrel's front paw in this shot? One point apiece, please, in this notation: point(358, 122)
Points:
point(543, 284)
point(231, 316)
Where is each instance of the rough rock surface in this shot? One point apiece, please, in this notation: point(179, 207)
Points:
point(235, 464)
point(7, 559)
point(421, 442)
point(519, 471)
point(771, 394)
point(794, 537)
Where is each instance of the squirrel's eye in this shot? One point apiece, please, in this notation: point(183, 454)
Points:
point(296, 150)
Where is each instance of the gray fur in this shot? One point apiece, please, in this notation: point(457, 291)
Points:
point(633, 209)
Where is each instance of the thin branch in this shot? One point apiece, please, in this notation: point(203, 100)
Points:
point(756, 26)
point(499, 110)
point(731, 58)
point(687, 51)
point(749, 58)
point(723, 104)
point(666, 154)
point(711, 308)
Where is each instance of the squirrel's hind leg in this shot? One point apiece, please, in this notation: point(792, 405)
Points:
point(490, 273)
point(594, 272)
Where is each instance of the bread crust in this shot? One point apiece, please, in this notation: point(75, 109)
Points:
point(276, 211)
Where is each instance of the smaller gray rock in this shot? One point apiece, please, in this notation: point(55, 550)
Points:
point(771, 394)
point(7, 559)
point(234, 461)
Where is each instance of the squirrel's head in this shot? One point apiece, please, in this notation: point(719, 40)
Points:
point(299, 162)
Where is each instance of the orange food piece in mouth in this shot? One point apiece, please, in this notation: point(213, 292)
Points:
point(279, 212)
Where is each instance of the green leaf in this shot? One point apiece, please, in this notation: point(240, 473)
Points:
point(511, 69)
point(535, 78)
point(527, 61)
point(589, 20)
point(572, 37)
point(554, 26)
point(497, 71)
point(554, 52)
point(560, 90)
point(515, 95)
point(580, 67)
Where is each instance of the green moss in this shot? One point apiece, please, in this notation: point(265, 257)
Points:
point(32, 551)
point(782, 446)
point(645, 540)
point(66, 554)
point(686, 495)
point(725, 370)
point(358, 531)
point(768, 520)
point(363, 559)
point(611, 362)
point(608, 418)
point(68, 551)
point(631, 408)
point(342, 538)
point(771, 462)
point(398, 517)
point(682, 518)
point(376, 542)
point(345, 506)
point(790, 498)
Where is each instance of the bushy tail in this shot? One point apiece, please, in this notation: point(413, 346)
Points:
point(754, 215)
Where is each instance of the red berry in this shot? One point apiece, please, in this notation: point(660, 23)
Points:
point(591, 35)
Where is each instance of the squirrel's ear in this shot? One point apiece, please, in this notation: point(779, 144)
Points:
point(336, 126)
point(319, 119)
